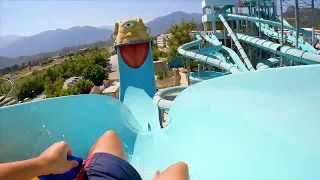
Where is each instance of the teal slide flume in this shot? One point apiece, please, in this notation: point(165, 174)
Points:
point(267, 30)
point(205, 59)
point(272, 23)
point(237, 43)
point(214, 41)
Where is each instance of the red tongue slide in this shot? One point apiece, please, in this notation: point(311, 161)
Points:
point(134, 55)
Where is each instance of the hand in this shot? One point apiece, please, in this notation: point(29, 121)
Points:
point(55, 159)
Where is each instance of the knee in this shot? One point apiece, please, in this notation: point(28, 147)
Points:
point(182, 165)
point(111, 133)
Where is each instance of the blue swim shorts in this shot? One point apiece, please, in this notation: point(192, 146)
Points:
point(104, 166)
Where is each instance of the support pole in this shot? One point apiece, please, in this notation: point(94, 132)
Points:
point(199, 69)
point(224, 36)
point(265, 9)
point(275, 12)
point(281, 14)
point(297, 24)
point(213, 19)
point(252, 25)
point(232, 27)
point(259, 15)
point(236, 9)
point(281, 41)
point(188, 71)
point(204, 23)
point(269, 15)
point(313, 22)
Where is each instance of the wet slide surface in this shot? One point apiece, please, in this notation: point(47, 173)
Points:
point(232, 127)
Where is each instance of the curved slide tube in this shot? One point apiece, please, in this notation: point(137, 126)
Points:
point(204, 75)
point(205, 59)
point(267, 63)
point(285, 22)
point(285, 51)
point(302, 44)
point(272, 23)
point(162, 103)
point(236, 59)
point(237, 43)
point(221, 121)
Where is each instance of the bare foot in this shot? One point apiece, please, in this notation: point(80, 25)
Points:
point(156, 175)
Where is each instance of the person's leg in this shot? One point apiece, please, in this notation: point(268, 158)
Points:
point(109, 143)
point(178, 171)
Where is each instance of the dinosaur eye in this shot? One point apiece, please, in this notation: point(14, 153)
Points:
point(128, 25)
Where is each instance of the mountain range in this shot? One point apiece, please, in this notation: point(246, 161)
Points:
point(305, 17)
point(53, 40)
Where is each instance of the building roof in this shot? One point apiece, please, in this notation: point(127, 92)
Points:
point(112, 88)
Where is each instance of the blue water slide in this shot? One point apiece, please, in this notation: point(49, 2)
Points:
point(205, 59)
point(237, 43)
point(234, 56)
point(228, 128)
point(303, 45)
point(285, 22)
point(267, 63)
point(285, 51)
point(272, 23)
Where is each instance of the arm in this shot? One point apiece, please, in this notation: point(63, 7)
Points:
point(27, 169)
point(51, 161)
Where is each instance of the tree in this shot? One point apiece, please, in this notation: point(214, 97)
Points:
point(53, 89)
point(95, 73)
point(30, 86)
point(155, 53)
point(82, 87)
point(179, 35)
point(100, 59)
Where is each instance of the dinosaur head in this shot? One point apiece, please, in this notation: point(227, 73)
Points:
point(133, 38)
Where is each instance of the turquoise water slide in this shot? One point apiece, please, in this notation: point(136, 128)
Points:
point(271, 23)
point(285, 22)
point(198, 56)
point(214, 40)
point(282, 50)
point(303, 45)
point(267, 63)
point(259, 125)
point(237, 43)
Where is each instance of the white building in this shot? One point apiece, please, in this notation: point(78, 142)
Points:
point(162, 40)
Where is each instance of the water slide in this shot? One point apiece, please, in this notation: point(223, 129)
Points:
point(285, 51)
point(267, 63)
point(210, 56)
point(234, 56)
point(237, 43)
point(216, 127)
point(272, 23)
point(285, 22)
point(303, 45)
point(227, 128)
point(205, 59)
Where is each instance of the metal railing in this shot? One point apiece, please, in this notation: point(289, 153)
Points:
point(11, 94)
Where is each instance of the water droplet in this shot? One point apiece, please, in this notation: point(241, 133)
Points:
point(33, 108)
point(43, 126)
point(62, 135)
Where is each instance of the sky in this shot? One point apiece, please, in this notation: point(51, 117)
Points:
point(29, 17)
